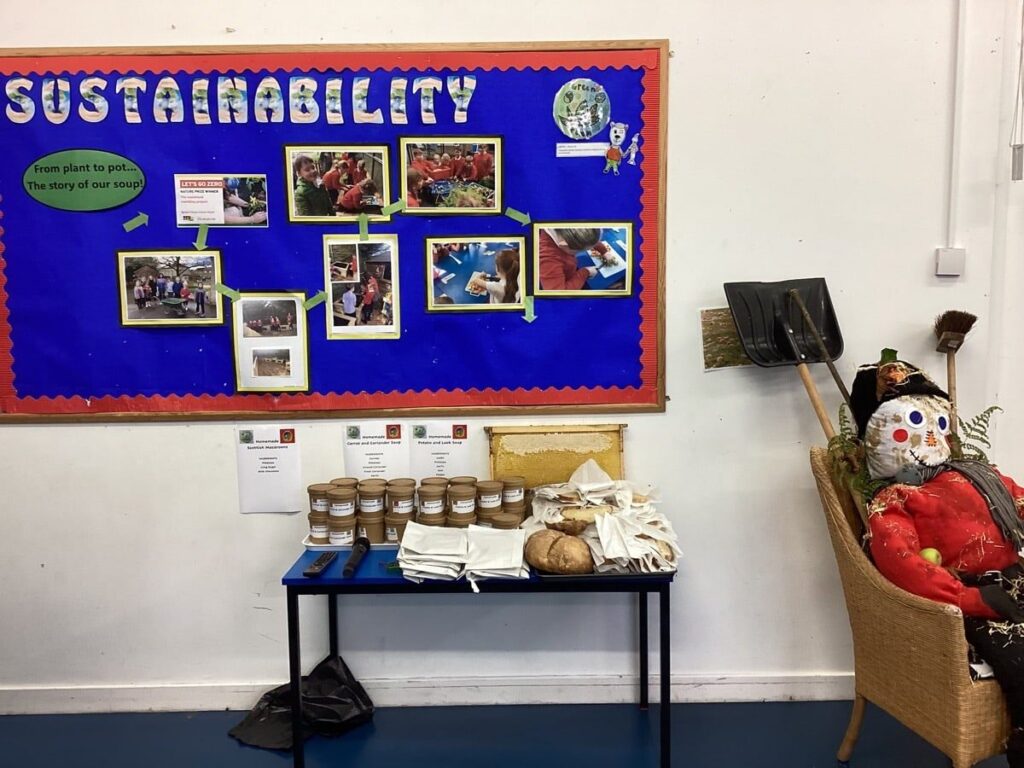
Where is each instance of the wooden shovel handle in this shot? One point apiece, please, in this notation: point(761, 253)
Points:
point(951, 386)
point(816, 403)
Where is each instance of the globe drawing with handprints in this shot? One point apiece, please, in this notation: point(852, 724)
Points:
point(582, 108)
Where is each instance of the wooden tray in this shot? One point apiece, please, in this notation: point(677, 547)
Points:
point(551, 453)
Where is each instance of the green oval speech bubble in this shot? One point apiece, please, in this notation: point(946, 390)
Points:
point(83, 180)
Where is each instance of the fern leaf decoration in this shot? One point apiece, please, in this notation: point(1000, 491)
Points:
point(972, 440)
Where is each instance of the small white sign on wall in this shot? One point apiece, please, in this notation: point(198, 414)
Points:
point(374, 449)
point(269, 477)
point(581, 148)
point(445, 449)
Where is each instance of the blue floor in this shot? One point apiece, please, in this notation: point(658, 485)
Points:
point(774, 735)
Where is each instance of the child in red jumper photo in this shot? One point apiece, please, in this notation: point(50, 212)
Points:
point(557, 267)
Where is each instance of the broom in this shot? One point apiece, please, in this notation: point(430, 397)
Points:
point(951, 328)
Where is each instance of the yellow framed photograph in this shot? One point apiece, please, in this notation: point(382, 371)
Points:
point(169, 288)
point(361, 282)
point(271, 342)
point(337, 182)
point(475, 274)
point(583, 258)
point(445, 175)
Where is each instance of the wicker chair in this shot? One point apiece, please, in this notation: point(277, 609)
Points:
point(910, 654)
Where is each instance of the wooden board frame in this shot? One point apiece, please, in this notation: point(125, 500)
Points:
point(543, 468)
point(661, 45)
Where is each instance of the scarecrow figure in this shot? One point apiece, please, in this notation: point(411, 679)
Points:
point(947, 530)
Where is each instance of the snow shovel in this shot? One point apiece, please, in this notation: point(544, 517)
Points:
point(791, 322)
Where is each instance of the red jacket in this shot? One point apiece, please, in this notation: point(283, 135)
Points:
point(483, 165)
point(948, 514)
point(458, 163)
point(332, 179)
point(352, 200)
point(558, 270)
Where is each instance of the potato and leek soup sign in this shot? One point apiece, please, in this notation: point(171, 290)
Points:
point(331, 230)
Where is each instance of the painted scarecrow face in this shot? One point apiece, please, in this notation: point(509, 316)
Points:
point(909, 430)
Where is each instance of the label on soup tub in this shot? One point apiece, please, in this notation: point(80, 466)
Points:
point(319, 504)
point(512, 495)
point(342, 538)
point(463, 506)
point(343, 508)
point(431, 506)
point(490, 500)
point(371, 505)
point(401, 506)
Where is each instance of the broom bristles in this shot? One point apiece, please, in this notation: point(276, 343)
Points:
point(954, 321)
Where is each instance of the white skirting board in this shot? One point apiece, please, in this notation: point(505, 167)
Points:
point(453, 691)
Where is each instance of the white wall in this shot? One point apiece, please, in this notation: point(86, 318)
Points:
point(806, 138)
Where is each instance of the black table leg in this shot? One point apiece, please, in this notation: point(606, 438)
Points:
point(332, 622)
point(664, 651)
point(295, 678)
point(644, 683)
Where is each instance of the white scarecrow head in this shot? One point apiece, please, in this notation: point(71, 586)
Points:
point(910, 431)
point(902, 417)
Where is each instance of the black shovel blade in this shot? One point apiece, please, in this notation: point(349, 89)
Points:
point(765, 313)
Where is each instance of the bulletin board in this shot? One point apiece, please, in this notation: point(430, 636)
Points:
point(504, 247)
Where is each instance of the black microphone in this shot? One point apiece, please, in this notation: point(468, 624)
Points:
point(359, 549)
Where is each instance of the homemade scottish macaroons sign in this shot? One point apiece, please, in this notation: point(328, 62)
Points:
point(323, 230)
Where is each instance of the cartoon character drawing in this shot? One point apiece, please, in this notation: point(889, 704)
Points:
point(634, 147)
point(616, 135)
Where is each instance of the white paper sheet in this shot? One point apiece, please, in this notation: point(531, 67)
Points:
point(446, 449)
point(376, 449)
point(269, 476)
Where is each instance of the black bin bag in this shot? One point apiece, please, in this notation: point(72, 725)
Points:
point(333, 703)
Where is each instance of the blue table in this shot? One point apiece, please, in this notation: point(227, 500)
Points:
point(373, 579)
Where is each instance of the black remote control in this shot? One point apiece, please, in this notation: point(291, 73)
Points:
point(320, 564)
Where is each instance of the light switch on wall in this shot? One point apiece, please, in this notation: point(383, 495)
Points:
point(950, 262)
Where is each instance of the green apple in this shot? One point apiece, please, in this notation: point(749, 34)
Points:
point(932, 555)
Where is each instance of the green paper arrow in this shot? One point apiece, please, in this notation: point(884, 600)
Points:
point(522, 218)
point(139, 221)
point(231, 293)
point(395, 207)
point(530, 315)
point(200, 241)
point(364, 226)
point(313, 300)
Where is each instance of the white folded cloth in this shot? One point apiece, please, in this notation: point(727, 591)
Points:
point(495, 554)
point(430, 552)
point(632, 541)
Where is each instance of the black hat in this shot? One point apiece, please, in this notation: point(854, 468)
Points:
point(886, 380)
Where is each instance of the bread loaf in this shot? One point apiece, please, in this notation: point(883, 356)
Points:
point(571, 527)
point(575, 519)
point(554, 552)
